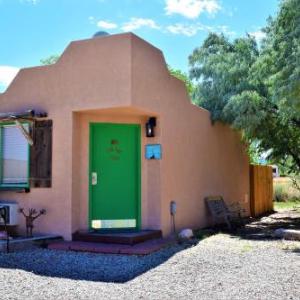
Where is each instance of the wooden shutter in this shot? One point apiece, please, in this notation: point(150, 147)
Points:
point(41, 155)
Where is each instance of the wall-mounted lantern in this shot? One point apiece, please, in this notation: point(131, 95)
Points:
point(150, 127)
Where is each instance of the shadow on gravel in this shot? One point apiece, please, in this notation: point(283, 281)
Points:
point(87, 266)
point(123, 268)
point(259, 229)
point(293, 250)
point(297, 251)
point(263, 228)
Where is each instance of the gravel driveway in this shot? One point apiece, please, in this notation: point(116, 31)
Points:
point(219, 267)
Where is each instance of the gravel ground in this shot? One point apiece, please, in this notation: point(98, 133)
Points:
point(219, 267)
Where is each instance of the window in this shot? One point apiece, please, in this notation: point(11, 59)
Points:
point(14, 157)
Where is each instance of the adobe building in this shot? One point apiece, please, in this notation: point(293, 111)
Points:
point(116, 140)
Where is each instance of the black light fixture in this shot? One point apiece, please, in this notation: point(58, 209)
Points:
point(150, 127)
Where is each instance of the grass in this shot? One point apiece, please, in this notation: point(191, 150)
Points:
point(286, 196)
point(246, 248)
point(284, 190)
point(287, 205)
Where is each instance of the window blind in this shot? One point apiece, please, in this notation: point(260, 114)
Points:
point(14, 155)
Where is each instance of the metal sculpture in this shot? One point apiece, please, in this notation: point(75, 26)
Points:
point(30, 218)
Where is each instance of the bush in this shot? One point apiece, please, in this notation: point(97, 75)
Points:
point(285, 191)
point(280, 194)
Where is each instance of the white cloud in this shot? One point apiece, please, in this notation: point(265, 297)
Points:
point(191, 8)
point(258, 35)
point(231, 11)
point(136, 23)
point(193, 28)
point(7, 74)
point(92, 19)
point(184, 29)
point(34, 2)
point(106, 24)
point(188, 29)
point(224, 29)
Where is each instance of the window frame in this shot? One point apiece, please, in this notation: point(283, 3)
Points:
point(13, 186)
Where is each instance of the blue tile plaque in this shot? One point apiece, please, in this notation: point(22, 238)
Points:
point(153, 151)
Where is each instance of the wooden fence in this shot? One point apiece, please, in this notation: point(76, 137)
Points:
point(261, 190)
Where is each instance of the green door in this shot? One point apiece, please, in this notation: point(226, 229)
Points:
point(114, 176)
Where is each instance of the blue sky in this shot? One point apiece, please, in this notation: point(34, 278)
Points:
point(34, 29)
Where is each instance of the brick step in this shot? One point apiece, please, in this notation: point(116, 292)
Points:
point(105, 248)
point(127, 238)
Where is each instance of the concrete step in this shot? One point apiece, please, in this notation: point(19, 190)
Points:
point(24, 243)
point(125, 237)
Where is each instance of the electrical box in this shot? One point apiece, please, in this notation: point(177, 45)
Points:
point(173, 208)
point(12, 213)
point(153, 151)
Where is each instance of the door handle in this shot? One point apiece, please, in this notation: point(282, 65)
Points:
point(94, 178)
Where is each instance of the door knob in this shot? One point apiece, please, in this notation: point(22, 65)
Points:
point(94, 178)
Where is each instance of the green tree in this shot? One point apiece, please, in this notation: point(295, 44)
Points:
point(280, 59)
point(256, 89)
point(185, 78)
point(50, 60)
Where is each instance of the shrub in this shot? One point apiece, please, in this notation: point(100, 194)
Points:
point(285, 191)
point(280, 194)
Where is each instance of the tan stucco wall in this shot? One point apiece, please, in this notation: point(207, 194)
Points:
point(123, 79)
point(79, 80)
point(199, 159)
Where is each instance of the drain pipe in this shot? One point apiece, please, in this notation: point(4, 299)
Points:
point(173, 208)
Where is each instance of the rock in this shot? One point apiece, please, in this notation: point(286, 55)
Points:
point(287, 234)
point(3, 235)
point(186, 234)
